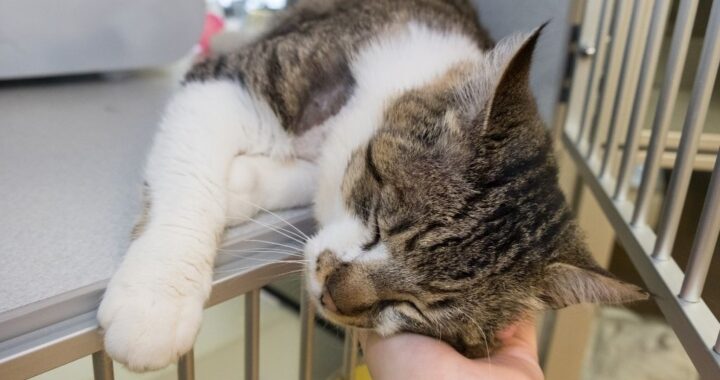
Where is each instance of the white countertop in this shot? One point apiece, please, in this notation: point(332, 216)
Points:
point(71, 157)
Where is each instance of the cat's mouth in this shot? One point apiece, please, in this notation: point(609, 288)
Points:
point(349, 321)
point(359, 319)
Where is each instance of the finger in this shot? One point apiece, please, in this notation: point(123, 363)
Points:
point(409, 356)
point(524, 349)
point(519, 341)
point(507, 332)
point(526, 332)
point(517, 354)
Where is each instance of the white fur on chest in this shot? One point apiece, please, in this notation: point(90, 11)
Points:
point(400, 60)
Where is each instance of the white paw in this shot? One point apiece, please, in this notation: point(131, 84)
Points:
point(151, 311)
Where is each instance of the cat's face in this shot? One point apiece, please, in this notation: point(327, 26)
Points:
point(454, 225)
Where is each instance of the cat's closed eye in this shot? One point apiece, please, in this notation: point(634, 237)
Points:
point(375, 238)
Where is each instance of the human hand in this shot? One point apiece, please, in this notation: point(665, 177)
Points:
point(411, 356)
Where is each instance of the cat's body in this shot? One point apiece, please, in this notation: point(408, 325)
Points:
point(419, 142)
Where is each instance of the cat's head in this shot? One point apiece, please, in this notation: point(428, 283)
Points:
point(455, 225)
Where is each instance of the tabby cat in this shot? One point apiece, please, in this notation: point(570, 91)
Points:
point(420, 143)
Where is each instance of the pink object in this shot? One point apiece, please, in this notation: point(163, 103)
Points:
point(214, 24)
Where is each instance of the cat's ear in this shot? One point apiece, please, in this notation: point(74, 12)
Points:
point(512, 91)
point(567, 284)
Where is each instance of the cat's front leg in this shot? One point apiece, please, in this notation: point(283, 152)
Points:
point(152, 308)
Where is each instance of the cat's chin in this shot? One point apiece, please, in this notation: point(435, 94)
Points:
point(361, 322)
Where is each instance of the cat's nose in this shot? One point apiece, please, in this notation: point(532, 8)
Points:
point(348, 290)
point(327, 302)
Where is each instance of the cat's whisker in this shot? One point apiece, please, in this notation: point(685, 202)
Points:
point(245, 254)
point(300, 233)
point(259, 249)
point(487, 346)
point(288, 234)
point(264, 249)
point(248, 252)
point(293, 247)
point(274, 261)
point(283, 274)
point(482, 331)
point(432, 319)
point(262, 261)
point(302, 237)
point(278, 275)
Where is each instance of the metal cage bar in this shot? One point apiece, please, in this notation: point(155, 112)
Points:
point(586, 44)
point(186, 366)
point(693, 322)
point(694, 121)
point(102, 366)
point(601, 47)
point(307, 333)
point(666, 104)
point(252, 335)
point(704, 243)
point(628, 81)
point(621, 24)
point(655, 35)
point(41, 348)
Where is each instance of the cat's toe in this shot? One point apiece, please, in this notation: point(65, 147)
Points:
point(148, 330)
